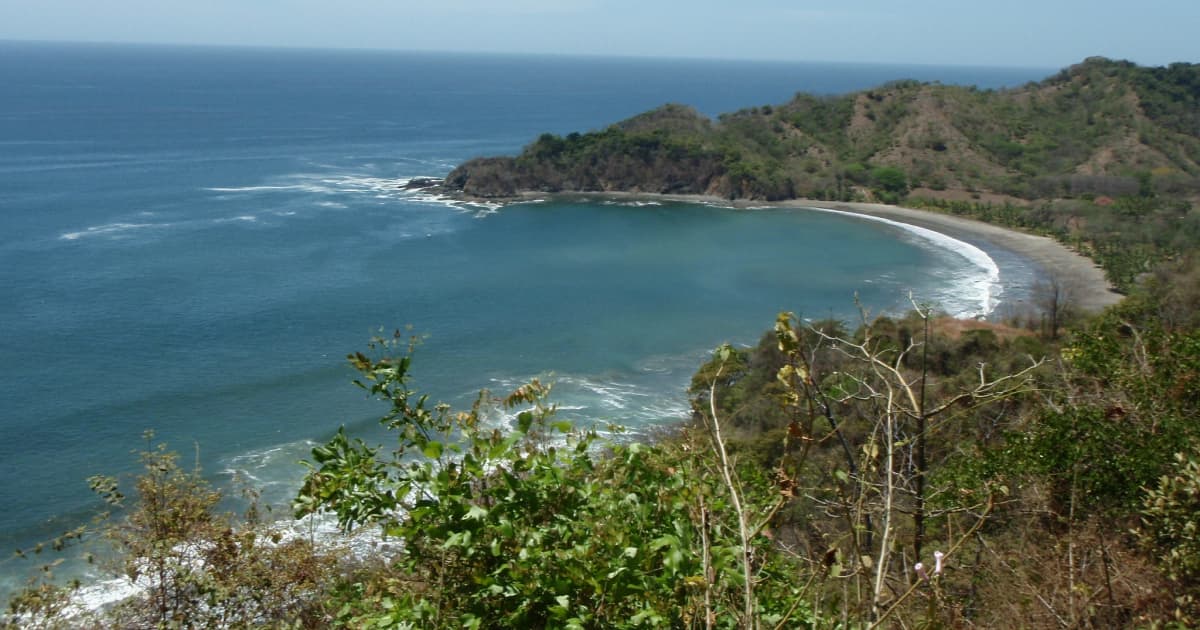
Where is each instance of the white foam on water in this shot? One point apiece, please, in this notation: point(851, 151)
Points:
point(99, 595)
point(374, 187)
point(123, 230)
point(318, 183)
point(479, 208)
point(362, 545)
point(271, 470)
point(251, 189)
point(111, 230)
point(983, 285)
point(597, 400)
point(631, 204)
point(245, 218)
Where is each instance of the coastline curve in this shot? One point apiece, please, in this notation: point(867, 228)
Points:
point(1088, 286)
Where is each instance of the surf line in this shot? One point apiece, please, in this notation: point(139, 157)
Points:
point(988, 290)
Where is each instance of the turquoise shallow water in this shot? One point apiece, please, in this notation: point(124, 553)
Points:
point(192, 239)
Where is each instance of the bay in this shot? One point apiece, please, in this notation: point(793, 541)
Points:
point(191, 239)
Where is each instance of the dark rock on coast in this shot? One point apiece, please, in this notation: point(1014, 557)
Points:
point(420, 183)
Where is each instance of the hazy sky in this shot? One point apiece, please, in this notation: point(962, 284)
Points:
point(1041, 33)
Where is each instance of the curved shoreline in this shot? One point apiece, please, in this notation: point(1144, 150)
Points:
point(1085, 283)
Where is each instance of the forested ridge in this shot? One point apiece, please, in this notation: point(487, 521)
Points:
point(1040, 471)
point(1101, 127)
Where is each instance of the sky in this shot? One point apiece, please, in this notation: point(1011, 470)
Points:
point(1022, 33)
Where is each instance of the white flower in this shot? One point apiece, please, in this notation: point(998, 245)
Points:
point(920, 569)
point(937, 562)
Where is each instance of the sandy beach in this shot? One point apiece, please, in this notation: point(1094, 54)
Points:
point(1087, 287)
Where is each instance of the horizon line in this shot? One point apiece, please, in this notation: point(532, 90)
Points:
point(499, 53)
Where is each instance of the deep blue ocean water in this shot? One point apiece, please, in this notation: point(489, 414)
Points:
point(191, 240)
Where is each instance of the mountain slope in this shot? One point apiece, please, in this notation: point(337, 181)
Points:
point(1098, 128)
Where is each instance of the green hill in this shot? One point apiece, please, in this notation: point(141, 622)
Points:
point(1101, 128)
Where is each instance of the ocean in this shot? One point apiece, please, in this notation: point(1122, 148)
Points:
point(192, 239)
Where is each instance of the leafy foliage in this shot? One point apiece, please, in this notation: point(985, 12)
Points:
point(537, 525)
point(188, 565)
point(196, 570)
point(1171, 515)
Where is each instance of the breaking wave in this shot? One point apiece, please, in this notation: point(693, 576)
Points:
point(976, 291)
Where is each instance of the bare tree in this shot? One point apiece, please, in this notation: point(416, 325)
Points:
point(875, 381)
point(1054, 297)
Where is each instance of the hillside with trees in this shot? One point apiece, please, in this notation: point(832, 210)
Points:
point(1101, 128)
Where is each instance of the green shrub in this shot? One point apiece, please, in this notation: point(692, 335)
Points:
point(1171, 520)
point(540, 524)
